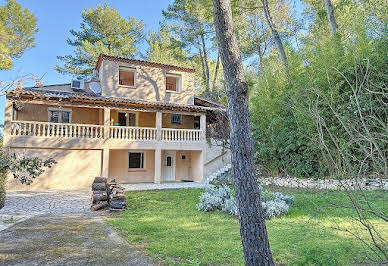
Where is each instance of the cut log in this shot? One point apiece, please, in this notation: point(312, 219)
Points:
point(117, 196)
point(96, 197)
point(99, 186)
point(100, 179)
point(98, 206)
point(117, 204)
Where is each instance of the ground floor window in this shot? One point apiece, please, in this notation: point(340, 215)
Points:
point(136, 160)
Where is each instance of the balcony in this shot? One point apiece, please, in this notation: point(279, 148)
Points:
point(87, 131)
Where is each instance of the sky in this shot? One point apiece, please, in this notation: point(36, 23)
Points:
point(55, 19)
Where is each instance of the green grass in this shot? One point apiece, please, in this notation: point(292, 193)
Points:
point(168, 226)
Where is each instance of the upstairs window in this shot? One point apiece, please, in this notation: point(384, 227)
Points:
point(173, 83)
point(127, 77)
point(59, 115)
point(176, 119)
point(136, 160)
point(127, 119)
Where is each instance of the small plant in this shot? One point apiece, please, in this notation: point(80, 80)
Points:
point(214, 198)
point(221, 198)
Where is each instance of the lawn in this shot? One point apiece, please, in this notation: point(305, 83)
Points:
point(168, 226)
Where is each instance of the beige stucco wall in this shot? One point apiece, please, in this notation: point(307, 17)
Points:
point(37, 112)
point(75, 169)
point(183, 170)
point(145, 119)
point(118, 167)
point(215, 157)
point(197, 166)
point(150, 83)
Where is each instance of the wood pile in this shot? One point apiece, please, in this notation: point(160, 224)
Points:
point(116, 197)
point(105, 194)
point(100, 195)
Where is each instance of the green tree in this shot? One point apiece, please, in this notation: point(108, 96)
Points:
point(103, 31)
point(164, 48)
point(17, 31)
point(192, 24)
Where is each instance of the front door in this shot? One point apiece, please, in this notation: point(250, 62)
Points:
point(169, 166)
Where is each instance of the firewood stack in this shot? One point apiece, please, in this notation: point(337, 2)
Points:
point(100, 195)
point(116, 197)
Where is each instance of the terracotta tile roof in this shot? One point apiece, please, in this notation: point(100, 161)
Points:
point(140, 62)
point(87, 97)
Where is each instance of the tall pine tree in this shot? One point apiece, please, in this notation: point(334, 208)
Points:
point(103, 31)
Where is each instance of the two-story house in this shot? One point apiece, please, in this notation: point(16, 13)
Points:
point(134, 121)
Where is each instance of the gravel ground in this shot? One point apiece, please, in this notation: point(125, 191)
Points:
point(21, 205)
point(66, 239)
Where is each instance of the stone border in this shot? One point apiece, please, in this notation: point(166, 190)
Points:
point(333, 184)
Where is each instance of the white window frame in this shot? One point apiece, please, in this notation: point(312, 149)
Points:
point(127, 118)
point(179, 89)
point(144, 160)
point(128, 69)
point(60, 110)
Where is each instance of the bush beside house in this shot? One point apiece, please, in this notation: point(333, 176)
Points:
point(2, 189)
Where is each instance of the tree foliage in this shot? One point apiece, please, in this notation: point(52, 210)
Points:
point(17, 32)
point(321, 76)
point(102, 31)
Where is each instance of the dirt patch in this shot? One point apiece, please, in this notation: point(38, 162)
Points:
point(71, 239)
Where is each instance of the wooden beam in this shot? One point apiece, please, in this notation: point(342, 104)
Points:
point(95, 105)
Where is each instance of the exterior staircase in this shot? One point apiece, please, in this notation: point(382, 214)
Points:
point(216, 174)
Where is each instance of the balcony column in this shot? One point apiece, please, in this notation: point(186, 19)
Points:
point(158, 126)
point(158, 165)
point(202, 125)
point(106, 122)
point(8, 117)
point(105, 163)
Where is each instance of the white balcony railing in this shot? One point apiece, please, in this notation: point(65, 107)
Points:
point(65, 130)
point(132, 133)
point(172, 134)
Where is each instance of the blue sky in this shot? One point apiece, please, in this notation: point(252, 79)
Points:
point(55, 19)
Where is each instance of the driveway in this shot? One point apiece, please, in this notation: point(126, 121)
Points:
point(21, 205)
point(57, 228)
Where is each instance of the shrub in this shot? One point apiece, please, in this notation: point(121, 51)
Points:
point(230, 206)
point(2, 189)
point(221, 198)
point(213, 198)
point(274, 208)
point(225, 178)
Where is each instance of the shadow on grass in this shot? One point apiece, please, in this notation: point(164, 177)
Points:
point(168, 225)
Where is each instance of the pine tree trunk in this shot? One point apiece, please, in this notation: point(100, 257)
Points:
point(207, 92)
point(275, 33)
point(206, 61)
point(214, 92)
point(252, 225)
point(330, 16)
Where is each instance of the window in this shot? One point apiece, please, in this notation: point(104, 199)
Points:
point(127, 77)
point(173, 82)
point(136, 160)
point(175, 119)
point(59, 115)
point(127, 119)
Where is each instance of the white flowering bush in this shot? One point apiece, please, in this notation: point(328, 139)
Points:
point(230, 206)
point(221, 198)
point(214, 198)
point(274, 208)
